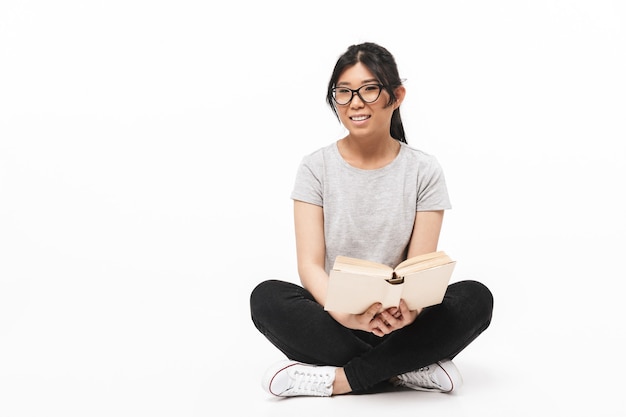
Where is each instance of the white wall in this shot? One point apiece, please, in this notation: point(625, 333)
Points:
point(148, 148)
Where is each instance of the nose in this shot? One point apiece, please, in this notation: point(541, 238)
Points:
point(356, 100)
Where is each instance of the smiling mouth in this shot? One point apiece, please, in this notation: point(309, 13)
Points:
point(359, 118)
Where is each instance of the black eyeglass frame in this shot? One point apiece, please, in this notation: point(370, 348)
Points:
point(357, 92)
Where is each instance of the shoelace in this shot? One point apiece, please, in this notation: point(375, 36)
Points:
point(422, 377)
point(311, 382)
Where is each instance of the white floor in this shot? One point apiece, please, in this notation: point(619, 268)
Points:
point(155, 345)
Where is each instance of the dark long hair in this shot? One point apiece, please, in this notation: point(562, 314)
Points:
point(383, 65)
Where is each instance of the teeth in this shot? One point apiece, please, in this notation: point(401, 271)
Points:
point(359, 118)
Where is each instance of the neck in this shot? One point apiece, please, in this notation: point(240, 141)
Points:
point(367, 153)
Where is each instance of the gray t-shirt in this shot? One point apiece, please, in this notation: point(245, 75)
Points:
point(369, 214)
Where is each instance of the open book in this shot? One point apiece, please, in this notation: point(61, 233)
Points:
point(356, 284)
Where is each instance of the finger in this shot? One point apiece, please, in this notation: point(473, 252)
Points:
point(404, 308)
point(378, 322)
point(385, 323)
point(389, 320)
point(373, 310)
point(394, 311)
point(381, 330)
point(408, 315)
point(384, 317)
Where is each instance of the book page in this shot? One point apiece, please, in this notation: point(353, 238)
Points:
point(427, 287)
point(362, 266)
point(351, 293)
point(419, 258)
point(422, 262)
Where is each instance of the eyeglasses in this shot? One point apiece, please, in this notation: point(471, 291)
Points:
point(368, 93)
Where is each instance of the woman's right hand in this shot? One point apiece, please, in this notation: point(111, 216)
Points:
point(377, 321)
point(366, 321)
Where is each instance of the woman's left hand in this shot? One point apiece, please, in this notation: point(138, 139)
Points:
point(393, 318)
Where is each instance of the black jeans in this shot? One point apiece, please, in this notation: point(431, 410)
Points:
point(290, 318)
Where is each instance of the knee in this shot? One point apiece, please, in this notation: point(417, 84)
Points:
point(261, 290)
point(479, 291)
point(478, 297)
point(261, 295)
point(484, 300)
point(267, 298)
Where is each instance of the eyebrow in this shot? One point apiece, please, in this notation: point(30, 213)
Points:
point(369, 81)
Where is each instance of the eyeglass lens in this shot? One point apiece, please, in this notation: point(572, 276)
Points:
point(367, 93)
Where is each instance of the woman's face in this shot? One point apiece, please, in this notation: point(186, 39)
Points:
point(359, 117)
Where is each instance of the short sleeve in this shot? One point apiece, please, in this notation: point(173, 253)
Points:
point(308, 183)
point(432, 192)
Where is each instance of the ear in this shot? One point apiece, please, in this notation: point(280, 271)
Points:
point(400, 94)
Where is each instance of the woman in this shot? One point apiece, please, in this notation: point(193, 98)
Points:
point(370, 196)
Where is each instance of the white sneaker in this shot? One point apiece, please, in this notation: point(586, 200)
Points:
point(290, 378)
point(442, 376)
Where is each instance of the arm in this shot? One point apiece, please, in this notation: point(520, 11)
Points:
point(311, 254)
point(426, 230)
point(311, 249)
point(424, 239)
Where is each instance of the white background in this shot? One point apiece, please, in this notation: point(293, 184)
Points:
point(147, 154)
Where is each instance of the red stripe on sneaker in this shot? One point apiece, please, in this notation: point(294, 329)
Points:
point(448, 375)
point(274, 376)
